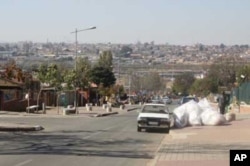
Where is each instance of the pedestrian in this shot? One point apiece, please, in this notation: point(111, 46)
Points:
point(222, 103)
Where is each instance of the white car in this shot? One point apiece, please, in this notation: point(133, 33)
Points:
point(166, 100)
point(154, 116)
point(186, 99)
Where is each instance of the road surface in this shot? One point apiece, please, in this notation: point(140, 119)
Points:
point(79, 141)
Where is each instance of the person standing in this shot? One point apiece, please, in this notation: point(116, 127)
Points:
point(222, 103)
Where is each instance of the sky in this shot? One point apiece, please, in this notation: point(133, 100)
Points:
point(179, 22)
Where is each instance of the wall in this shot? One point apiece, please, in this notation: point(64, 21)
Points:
point(244, 109)
point(18, 105)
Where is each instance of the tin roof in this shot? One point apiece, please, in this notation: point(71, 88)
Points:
point(8, 84)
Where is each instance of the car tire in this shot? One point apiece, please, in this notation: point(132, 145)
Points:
point(138, 129)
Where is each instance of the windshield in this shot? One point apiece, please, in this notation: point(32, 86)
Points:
point(155, 109)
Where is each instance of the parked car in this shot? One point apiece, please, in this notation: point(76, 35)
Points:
point(154, 116)
point(166, 100)
point(134, 99)
point(156, 100)
point(187, 99)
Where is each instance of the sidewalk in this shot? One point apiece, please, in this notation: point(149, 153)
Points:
point(96, 111)
point(204, 145)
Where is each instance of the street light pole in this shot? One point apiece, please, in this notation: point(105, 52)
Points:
point(119, 59)
point(129, 89)
point(75, 32)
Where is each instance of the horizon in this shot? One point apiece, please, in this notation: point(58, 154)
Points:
point(170, 22)
point(182, 45)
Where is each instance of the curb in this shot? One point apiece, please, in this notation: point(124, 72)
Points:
point(131, 109)
point(21, 128)
point(105, 114)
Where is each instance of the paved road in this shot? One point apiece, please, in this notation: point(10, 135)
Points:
point(74, 141)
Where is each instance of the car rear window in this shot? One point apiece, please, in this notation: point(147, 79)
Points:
point(154, 109)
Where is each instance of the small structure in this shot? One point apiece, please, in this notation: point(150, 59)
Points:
point(12, 95)
point(32, 108)
point(69, 110)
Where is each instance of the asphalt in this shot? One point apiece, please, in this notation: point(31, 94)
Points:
point(189, 146)
point(95, 111)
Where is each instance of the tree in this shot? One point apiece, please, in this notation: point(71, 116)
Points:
point(114, 89)
point(202, 87)
point(42, 71)
point(13, 72)
point(101, 75)
point(222, 46)
point(50, 75)
point(10, 69)
point(183, 83)
point(223, 71)
point(105, 60)
point(83, 67)
point(136, 82)
point(69, 77)
point(125, 51)
point(2, 48)
point(54, 76)
point(243, 74)
point(152, 82)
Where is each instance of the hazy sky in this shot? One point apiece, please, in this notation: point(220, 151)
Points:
point(182, 22)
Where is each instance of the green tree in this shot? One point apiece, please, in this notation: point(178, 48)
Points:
point(183, 83)
point(42, 72)
point(152, 82)
point(83, 67)
point(69, 77)
point(223, 71)
point(243, 74)
point(51, 75)
point(79, 77)
point(105, 60)
point(101, 75)
point(202, 87)
point(125, 51)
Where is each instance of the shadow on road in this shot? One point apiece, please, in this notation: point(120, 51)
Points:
point(153, 131)
point(66, 143)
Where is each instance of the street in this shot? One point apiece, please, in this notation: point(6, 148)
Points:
point(111, 140)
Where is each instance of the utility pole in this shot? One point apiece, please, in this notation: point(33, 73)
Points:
point(75, 32)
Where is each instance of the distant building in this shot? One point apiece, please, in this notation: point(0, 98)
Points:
point(6, 54)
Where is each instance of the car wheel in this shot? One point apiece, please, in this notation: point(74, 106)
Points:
point(138, 129)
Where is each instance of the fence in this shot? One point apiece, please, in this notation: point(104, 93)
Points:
point(242, 93)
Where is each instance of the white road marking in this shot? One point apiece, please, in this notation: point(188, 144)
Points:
point(23, 163)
